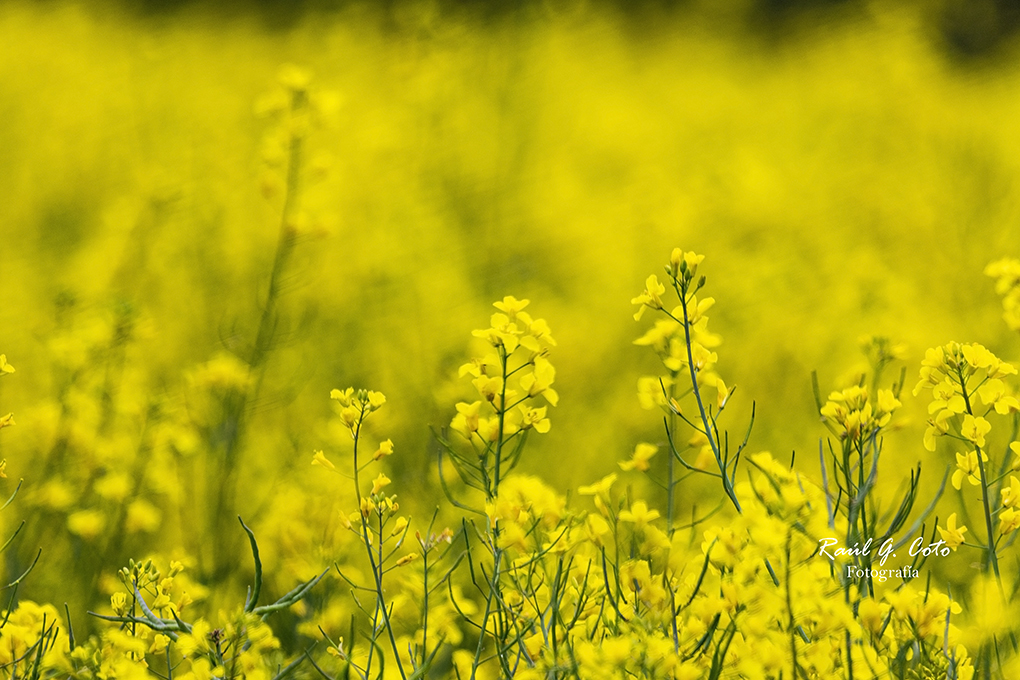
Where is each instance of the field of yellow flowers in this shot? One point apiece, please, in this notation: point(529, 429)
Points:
point(422, 343)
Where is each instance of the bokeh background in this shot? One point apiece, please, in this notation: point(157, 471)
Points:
point(847, 168)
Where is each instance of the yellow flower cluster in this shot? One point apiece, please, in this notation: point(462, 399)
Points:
point(541, 589)
point(521, 346)
point(669, 336)
point(958, 375)
point(856, 418)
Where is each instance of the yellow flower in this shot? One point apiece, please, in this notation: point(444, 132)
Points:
point(1009, 520)
point(535, 418)
point(695, 309)
point(162, 601)
point(540, 330)
point(466, 421)
point(195, 642)
point(159, 644)
point(967, 468)
point(639, 514)
point(7, 420)
point(596, 527)
point(722, 393)
point(952, 534)
point(599, 488)
point(385, 449)
point(379, 483)
point(687, 263)
point(399, 526)
point(977, 355)
point(639, 459)
point(975, 429)
point(1011, 494)
point(488, 387)
point(488, 429)
point(651, 297)
point(4, 366)
point(118, 603)
point(539, 381)
point(320, 459)
point(511, 306)
point(652, 392)
point(344, 397)
point(871, 615)
point(502, 333)
point(407, 559)
point(351, 416)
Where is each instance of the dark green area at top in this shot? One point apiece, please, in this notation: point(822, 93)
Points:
point(966, 30)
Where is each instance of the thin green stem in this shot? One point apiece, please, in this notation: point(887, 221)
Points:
point(727, 484)
point(986, 505)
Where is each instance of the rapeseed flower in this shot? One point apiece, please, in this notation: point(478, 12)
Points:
point(952, 534)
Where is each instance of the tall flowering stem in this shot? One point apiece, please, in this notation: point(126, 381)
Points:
point(509, 380)
point(370, 523)
point(683, 343)
point(963, 377)
point(859, 419)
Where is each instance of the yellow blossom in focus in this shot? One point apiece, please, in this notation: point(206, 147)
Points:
point(651, 297)
point(967, 467)
point(385, 449)
point(379, 483)
point(975, 428)
point(466, 421)
point(375, 399)
point(534, 418)
point(952, 535)
point(1011, 494)
point(936, 428)
point(511, 306)
point(1009, 520)
point(540, 380)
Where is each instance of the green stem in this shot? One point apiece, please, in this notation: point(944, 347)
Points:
point(497, 554)
point(377, 566)
point(727, 484)
point(503, 360)
point(986, 506)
